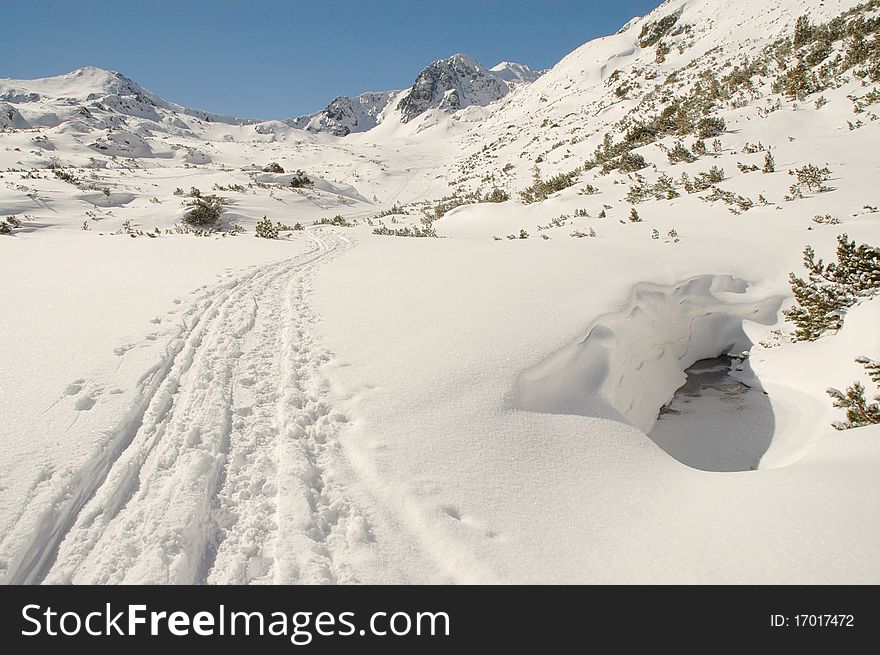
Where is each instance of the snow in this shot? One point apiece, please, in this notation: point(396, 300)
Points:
point(515, 73)
point(630, 362)
point(337, 406)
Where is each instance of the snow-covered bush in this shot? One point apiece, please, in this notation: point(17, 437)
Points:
point(338, 221)
point(653, 31)
point(703, 180)
point(62, 175)
point(830, 289)
point(204, 210)
point(710, 126)
point(266, 229)
point(497, 195)
point(859, 412)
point(273, 167)
point(679, 153)
point(813, 177)
point(543, 189)
point(300, 180)
point(9, 224)
point(629, 162)
point(427, 230)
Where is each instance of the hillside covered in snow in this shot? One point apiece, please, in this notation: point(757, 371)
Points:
point(613, 322)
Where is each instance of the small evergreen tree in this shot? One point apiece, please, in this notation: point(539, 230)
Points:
point(859, 412)
point(813, 177)
point(679, 153)
point(266, 230)
point(300, 180)
point(803, 32)
point(769, 163)
point(711, 126)
point(497, 195)
point(204, 210)
point(829, 289)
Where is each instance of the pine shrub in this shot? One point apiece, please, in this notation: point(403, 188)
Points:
point(829, 289)
point(266, 229)
point(859, 412)
point(204, 210)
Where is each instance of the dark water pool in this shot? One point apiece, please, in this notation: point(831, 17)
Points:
point(714, 422)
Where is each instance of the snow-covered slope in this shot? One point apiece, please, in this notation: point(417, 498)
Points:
point(345, 115)
point(87, 91)
point(451, 84)
point(447, 85)
point(342, 405)
point(515, 73)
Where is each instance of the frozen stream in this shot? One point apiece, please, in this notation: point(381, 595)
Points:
point(715, 422)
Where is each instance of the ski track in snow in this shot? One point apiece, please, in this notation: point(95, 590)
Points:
point(219, 473)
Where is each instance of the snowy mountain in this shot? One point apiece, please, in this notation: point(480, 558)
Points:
point(526, 398)
point(447, 84)
point(86, 92)
point(345, 115)
point(451, 84)
point(514, 73)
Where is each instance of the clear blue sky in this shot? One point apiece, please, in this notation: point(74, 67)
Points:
point(276, 58)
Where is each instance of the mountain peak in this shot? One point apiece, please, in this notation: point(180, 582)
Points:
point(515, 73)
point(451, 84)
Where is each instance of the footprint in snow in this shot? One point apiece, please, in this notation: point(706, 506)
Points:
point(474, 524)
point(84, 403)
point(451, 511)
point(74, 387)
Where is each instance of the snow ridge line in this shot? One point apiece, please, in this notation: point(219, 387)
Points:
point(196, 373)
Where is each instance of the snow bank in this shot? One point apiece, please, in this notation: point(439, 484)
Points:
point(123, 143)
point(796, 376)
point(631, 362)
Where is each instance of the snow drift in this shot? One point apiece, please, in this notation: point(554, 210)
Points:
point(632, 361)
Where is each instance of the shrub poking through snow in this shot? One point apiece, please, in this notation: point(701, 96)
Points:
point(769, 163)
point(337, 221)
point(273, 167)
point(629, 162)
point(266, 229)
point(859, 412)
point(679, 153)
point(301, 180)
point(702, 181)
point(497, 195)
point(8, 224)
point(710, 126)
point(63, 175)
point(653, 31)
point(543, 189)
point(813, 177)
point(822, 299)
point(427, 230)
point(449, 203)
point(204, 210)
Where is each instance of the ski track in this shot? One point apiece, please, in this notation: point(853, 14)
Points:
point(222, 470)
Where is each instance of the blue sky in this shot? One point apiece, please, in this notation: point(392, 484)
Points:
point(275, 58)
